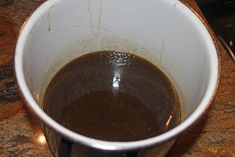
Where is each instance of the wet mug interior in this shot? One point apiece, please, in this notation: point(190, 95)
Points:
point(165, 32)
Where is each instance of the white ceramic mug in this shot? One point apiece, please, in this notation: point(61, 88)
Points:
point(165, 32)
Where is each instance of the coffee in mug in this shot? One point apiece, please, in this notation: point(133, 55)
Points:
point(113, 96)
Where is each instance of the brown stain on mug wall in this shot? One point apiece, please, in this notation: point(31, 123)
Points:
point(49, 20)
point(162, 52)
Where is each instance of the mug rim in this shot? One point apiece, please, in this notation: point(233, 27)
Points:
point(113, 145)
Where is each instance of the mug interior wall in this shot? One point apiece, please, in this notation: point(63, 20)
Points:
point(156, 30)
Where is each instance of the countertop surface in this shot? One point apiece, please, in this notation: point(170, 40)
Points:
point(213, 136)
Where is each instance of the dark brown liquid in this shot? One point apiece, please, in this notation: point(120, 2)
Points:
point(113, 96)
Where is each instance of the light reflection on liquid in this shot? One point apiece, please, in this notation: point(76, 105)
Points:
point(116, 80)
